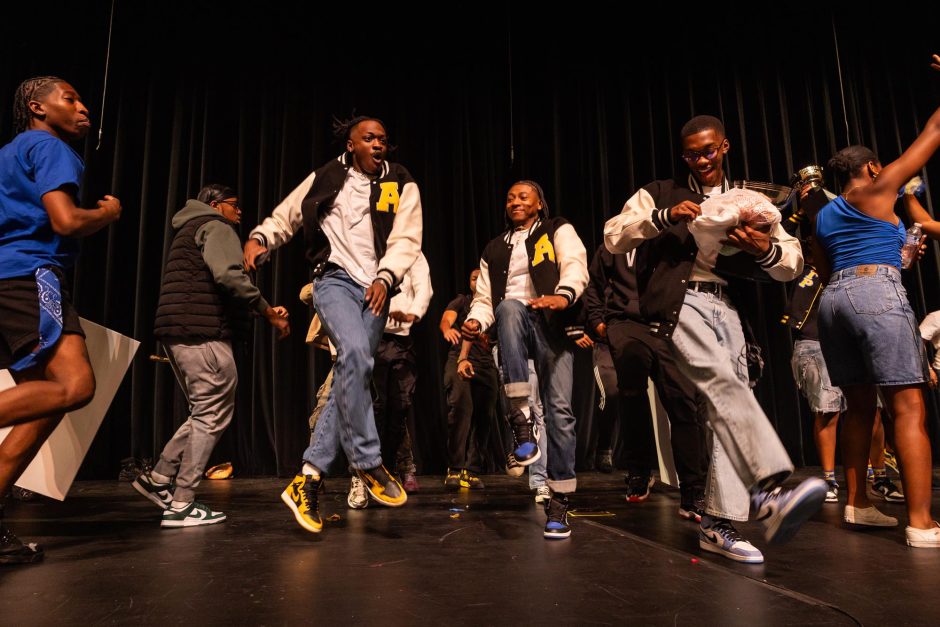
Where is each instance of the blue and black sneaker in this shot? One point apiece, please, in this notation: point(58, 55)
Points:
point(556, 509)
point(525, 437)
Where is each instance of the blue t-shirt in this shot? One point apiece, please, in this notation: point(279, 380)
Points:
point(34, 163)
point(852, 238)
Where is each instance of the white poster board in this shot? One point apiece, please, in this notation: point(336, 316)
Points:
point(53, 470)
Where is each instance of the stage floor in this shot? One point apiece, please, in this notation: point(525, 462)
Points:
point(108, 562)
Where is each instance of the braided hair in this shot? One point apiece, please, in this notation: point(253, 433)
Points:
point(543, 212)
point(215, 192)
point(29, 90)
point(850, 161)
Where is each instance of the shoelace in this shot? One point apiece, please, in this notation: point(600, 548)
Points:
point(521, 432)
point(638, 483)
point(727, 531)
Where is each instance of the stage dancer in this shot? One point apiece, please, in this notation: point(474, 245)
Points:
point(638, 356)
point(531, 277)
point(41, 340)
point(205, 302)
point(362, 221)
point(688, 303)
point(867, 328)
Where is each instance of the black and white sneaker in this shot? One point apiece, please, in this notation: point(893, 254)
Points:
point(886, 489)
point(14, 551)
point(525, 437)
point(638, 487)
point(191, 515)
point(691, 503)
point(784, 511)
point(160, 494)
point(556, 509)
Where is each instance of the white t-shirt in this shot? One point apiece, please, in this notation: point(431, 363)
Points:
point(702, 269)
point(348, 227)
point(930, 331)
point(518, 282)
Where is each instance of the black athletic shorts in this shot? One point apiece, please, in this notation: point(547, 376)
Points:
point(19, 316)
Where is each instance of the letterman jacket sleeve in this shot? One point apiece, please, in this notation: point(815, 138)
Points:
point(481, 308)
point(421, 283)
point(639, 220)
point(404, 242)
point(784, 259)
point(572, 263)
point(286, 219)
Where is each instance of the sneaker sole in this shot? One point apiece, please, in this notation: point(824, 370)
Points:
point(382, 500)
point(518, 471)
point(805, 501)
point(688, 515)
point(643, 497)
point(179, 524)
point(289, 502)
point(150, 496)
point(551, 535)
point(834, 499)
point(744, 559)
point(354, 505)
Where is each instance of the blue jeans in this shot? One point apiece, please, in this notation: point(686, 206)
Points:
point(347, 419)
point(812, 377)
point(867, 329)
point(710, 351)
point(523, 333)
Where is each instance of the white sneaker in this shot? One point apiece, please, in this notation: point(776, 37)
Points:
point(924, 538)
point(190, 515)
point(868, 516)
point(542, 494)
point(722, 538)
point(358, 496)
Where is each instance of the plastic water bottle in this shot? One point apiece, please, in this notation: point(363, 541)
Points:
point(911, 244)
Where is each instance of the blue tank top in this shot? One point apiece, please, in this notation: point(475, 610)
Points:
point(852, 238)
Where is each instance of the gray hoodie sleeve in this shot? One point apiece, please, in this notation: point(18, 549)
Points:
point(222, 252)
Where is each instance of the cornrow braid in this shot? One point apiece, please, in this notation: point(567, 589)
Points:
point(342, 128)
point(31, 89)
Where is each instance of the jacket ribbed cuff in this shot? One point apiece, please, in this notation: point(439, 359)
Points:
point(567, 292)
point(386, 276)
point(260, 238)
point(661, 219)
point(771, 257)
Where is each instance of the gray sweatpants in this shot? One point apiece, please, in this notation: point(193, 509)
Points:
point(207, 373)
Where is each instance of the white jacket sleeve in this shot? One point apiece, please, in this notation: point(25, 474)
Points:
point(784, 260)
point(481, 308)
point(572, 263)
point(286, 219)
point(404, 242)
point(639, 220)
point(421, 283)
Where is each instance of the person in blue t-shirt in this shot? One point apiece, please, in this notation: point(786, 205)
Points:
point(41, 341)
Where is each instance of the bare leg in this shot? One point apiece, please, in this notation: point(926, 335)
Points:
point(825, 430)
point(856, 441)
point(876, 456)
point(913, 448)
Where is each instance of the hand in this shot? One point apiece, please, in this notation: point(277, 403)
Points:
point(584, 341)
point(400, 316)
point(253, 250)
point(685, 211)
point(470, 330)
point(111, 207)
point(375, 296)
point(553, 302)
point(749, 240)
point(921, 249)
point(452, 335)
point(933, 379)
point(804, 191)
point(935, 62)
point(277, 317)
point(465, 369)
point(601, 330)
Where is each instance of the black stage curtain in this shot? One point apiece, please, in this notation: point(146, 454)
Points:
point(585, 104)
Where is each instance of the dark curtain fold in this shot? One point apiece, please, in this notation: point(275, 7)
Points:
point(203, 92)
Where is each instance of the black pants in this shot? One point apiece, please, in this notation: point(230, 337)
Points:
point(394, 379)
point(608, 402)
point(470, 407)
point(639, 355)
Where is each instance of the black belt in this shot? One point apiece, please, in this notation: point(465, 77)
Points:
point(707, 287)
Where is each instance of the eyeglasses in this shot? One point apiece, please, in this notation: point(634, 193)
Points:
point(232, 203)
point(691, 156)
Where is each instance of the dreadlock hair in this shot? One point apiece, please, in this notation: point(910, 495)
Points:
point(543, 212)
point(702, 123)
point(849, 161)
point(343, 128)
point(31, 89)
point(215, 192)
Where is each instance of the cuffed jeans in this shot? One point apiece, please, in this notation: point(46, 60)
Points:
point(710, 351)
point(524, 333)
point(347, 421)
point(206, 372)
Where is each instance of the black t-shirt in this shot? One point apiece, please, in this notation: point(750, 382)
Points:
point(480, 349)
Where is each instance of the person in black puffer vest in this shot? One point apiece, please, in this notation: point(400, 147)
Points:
point(205, 300)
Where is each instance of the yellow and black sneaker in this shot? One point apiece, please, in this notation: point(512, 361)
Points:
point(383, 487)
point(452, 480)
point(301, 497)
point(470, 480)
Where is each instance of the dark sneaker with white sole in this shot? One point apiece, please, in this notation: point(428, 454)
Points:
point(886, 489)
point(192, 515)
point(160, 494)
point(525, 438)
point(691, 503)
point(15, 551)
point(638, 487)
point(556, 510)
